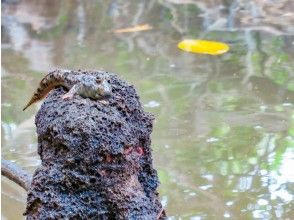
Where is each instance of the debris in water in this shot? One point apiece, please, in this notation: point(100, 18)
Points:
point(143, 27)
point(203, 47)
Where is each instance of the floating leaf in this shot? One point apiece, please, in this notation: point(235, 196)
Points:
point(203, 46)
point(143, 27)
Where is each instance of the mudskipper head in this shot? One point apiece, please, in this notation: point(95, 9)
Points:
point(103, 90)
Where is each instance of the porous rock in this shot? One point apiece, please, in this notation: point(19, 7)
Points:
point(96, 158)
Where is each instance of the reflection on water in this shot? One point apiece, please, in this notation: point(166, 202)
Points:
point(223, 136)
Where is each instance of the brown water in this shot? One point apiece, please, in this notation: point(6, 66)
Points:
point(223, 136)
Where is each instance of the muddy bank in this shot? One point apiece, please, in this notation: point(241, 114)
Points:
point(96, 158)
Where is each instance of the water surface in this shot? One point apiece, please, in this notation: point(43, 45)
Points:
point(223, 136)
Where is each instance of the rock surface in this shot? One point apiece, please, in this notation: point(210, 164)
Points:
point(96, 158)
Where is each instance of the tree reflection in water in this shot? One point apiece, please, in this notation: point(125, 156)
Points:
point(223, 136)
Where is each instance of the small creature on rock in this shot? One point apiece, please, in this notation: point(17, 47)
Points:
point(87, 86)
point(96, 159)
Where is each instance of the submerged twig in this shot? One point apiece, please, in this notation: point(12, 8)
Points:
point(16, 174)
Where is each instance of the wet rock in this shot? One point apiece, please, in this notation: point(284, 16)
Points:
point(96, 158)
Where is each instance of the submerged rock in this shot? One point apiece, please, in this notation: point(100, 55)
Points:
point(96, 158)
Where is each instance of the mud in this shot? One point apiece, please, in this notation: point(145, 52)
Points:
point(96, 158)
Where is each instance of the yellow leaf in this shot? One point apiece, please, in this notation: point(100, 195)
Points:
point(203, 46)
point(143, 27)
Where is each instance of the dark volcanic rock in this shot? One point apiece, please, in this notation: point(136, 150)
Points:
point(96, 158)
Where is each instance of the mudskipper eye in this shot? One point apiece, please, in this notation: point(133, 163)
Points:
point(98, 80)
